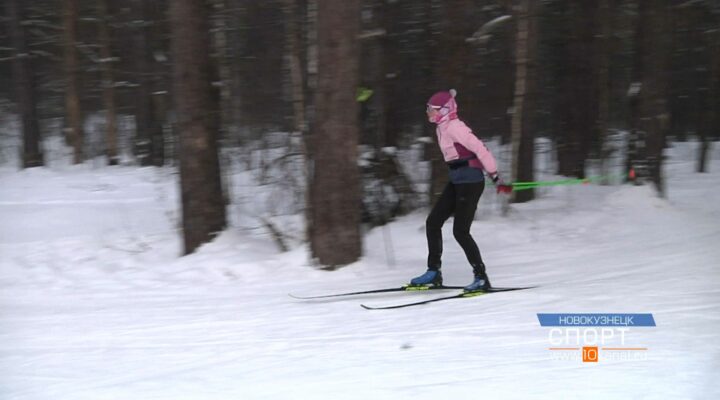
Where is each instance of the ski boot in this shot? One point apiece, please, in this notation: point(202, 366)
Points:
point(480, 284)
point(429, 279)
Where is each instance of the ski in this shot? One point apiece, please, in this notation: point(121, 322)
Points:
point(405, 288)
point(455, 296)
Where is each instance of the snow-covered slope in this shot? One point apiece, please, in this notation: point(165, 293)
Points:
point(96, 304)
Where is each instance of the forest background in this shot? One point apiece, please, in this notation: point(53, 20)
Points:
point(337, 91)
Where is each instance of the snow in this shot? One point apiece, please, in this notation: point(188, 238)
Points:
point(95, 302)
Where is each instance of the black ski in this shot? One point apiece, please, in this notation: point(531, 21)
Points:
point(455, 296)
point(406, 288)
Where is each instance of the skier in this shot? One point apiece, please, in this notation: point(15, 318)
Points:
point(466, 157)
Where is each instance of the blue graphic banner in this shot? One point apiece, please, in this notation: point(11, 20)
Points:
point(619, 320)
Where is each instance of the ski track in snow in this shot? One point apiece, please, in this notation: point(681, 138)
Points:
point(96, 304)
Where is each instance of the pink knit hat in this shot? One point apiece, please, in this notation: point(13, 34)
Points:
point(440, 99)
point(445, 102)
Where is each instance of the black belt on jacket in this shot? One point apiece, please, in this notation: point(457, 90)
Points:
point(455, 164)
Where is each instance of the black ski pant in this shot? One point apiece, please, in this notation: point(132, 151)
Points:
point(461, 201)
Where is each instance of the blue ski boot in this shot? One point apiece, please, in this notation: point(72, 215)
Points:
point(429, 278)
point(480, 284)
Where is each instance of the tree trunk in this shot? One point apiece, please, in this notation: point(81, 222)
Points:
point(335, 188)
point(653, 96)
point(143, 104)
point(203, 208)
point(635, 156)
point(220, 28)
point(108, 84)
point(234, 13)
point(577, 109)
point(710, 104)
point(24, 78)
point(523, 138)
point(392, 95)
point(604, 84)
point(73, 112)
point(148, 130)
point(372, 73)
point(293, 58)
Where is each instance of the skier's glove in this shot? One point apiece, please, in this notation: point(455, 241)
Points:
point(500, 186)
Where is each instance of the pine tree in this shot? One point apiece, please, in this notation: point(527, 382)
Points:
point(335, 183)
point(24, 79)
point(73, 111)
point(203, 207)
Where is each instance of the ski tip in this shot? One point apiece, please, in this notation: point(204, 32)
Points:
point(509, 289)
point(294, 296)
point(374, 308)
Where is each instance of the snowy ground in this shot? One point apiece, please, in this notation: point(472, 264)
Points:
point(96, 304)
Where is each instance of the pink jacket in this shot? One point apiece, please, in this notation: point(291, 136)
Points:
point(457, 142)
